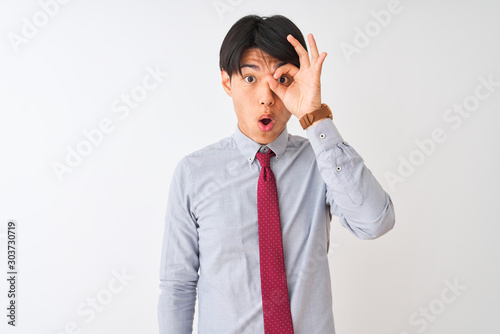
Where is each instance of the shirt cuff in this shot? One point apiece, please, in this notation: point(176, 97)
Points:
point(324, 135)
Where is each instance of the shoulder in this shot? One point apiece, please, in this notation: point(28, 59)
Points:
point(297, 141)
point(213, 148)
point(300, 145)
point(209, 155)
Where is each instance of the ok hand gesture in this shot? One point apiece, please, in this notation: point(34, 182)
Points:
point(303, 95)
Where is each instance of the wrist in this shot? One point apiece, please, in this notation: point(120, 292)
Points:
point(316, 122)
point(314, 117)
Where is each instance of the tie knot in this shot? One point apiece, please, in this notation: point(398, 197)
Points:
point(265, 158)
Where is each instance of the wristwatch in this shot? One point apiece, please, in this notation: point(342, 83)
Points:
point(316, 115)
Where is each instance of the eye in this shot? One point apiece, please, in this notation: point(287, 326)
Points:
point(249, 79)
point(284, 80)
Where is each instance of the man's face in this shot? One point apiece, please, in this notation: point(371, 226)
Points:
point(254, 100)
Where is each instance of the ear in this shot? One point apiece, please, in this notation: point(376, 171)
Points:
point(226, 83)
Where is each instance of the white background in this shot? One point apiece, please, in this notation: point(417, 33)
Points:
point(77, 231)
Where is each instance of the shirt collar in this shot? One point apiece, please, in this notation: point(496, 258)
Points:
point(248, 147)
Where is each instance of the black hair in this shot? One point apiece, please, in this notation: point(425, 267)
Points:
point(265, 33)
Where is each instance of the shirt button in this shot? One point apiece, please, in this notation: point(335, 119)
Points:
point(339, 168)
point(265, 149)
point(249, 158)
point(277, 157)
point(322, 136)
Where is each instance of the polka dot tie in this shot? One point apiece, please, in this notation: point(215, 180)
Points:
point(275, 301)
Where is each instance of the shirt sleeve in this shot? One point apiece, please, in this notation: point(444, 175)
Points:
point(179, 257)
point(353, 193)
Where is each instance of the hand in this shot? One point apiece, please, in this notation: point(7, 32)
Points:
point(303, 95)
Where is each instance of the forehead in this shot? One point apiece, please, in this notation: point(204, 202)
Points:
point(259, 58)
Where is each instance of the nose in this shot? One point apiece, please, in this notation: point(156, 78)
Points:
point(266, 95)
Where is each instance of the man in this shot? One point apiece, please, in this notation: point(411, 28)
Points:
point(252, 212)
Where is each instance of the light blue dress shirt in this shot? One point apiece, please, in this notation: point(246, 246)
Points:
point(211, 225)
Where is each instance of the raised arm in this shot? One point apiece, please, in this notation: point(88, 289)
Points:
point(353, 193)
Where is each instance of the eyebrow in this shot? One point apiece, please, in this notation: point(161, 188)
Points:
point(257, 67)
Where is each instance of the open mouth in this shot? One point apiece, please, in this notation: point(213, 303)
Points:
point(266, 124)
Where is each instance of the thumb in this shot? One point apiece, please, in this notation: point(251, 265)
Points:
point(278, 89)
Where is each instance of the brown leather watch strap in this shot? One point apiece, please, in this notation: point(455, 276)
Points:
point(316, 115)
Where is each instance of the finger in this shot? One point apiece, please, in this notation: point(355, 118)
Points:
point(275, 86)
point(319, 63)
point(314, 48)
point(303, 55)
point(286, 69)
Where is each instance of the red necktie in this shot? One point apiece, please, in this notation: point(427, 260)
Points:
point(275, 301)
